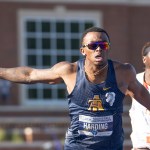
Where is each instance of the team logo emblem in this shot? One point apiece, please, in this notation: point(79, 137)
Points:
point(95, 104)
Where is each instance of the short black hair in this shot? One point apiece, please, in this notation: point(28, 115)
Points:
point(145, 49)
point(93, 29)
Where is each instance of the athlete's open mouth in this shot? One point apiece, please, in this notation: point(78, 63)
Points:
point(98, 57)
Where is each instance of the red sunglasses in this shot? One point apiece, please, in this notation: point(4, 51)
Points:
point(95, 45)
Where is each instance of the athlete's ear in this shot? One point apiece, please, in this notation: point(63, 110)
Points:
point(82, 51)
point(144, 59)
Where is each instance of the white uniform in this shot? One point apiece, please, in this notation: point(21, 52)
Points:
point(140, 121)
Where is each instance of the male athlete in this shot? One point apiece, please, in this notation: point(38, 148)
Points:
point(140, 115)
point(96, 88)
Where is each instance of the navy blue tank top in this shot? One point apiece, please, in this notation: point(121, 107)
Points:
point(95, 112)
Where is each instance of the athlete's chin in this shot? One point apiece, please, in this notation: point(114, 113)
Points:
point(98, 61)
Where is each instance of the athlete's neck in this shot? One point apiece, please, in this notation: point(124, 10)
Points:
point(95, 69)
point(96, 74)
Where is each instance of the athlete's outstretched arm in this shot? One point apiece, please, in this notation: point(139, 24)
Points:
point(138, 91)
point(29, 75)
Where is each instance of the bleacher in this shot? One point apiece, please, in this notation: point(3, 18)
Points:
point(28, 129)
point(40, 129)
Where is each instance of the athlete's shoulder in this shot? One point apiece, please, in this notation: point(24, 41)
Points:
point(123, 66)
point(65, 67)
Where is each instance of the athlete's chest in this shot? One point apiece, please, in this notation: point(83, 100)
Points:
point(98, 97)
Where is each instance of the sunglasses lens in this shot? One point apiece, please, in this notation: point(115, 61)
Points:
point(93, 46)
point(103, 45)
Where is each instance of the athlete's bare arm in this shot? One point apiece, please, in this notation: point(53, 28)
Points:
point(132, 86)
point(58, 73)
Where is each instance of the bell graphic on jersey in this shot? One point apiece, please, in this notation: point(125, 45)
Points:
point(95, 104)
point(110, 98)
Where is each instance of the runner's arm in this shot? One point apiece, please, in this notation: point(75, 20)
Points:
point(28, 75)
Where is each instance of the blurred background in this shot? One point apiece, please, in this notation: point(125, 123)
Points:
point(40, 33)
